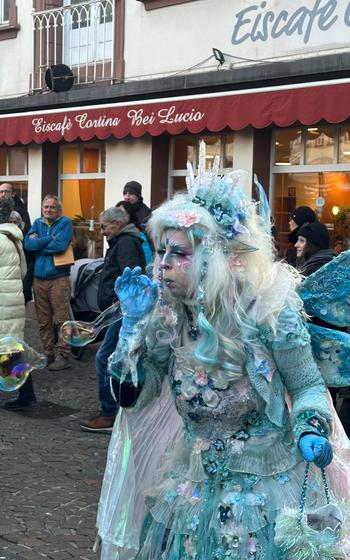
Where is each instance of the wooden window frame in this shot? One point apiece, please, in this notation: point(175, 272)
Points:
point(10, 29)
point(154, 4)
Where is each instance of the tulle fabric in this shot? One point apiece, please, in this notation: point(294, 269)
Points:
point(160, 500)
point(136, 447)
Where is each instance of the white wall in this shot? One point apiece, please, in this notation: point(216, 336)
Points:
point(129, 159)
point(243, 143)
point(174, 38)
point(16, 55)
point(34, 180)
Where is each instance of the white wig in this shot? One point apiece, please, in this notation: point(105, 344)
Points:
point(242, 289)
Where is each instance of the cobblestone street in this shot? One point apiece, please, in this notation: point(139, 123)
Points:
point(51, 470)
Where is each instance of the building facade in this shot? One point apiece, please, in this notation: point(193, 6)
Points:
point(264, 85)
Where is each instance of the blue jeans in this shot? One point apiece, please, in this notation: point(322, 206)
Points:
point(108, 405)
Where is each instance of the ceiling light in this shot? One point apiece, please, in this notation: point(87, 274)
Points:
point(335, 210)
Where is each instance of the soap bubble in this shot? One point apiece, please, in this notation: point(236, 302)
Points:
point(81, 333)
point(17, 360)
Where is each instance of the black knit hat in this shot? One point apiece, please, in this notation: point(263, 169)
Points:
point(304, 214)
point(6, 207)
point(133, 187)
point(316, 233)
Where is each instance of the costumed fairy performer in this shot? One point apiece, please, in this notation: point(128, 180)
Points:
point(206, 457)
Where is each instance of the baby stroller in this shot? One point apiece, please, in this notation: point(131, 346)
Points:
point(85, 277)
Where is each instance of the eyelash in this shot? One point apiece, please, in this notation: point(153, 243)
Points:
point(178, 253)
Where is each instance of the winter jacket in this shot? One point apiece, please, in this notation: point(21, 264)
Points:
point(125, 249)
point(142, 213)
point(51, 240)
point(23, 212)
point(12, 271)
point(323, 256)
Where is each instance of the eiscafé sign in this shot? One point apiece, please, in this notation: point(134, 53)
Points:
point(276, 27)
point(130, 119)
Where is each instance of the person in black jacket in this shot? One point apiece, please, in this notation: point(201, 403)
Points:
point(313, 251)
point(312, 247)
point(300, 216)
point(132, 193)
point(125, 249)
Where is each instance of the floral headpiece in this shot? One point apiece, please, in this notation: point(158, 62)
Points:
point(223, 197)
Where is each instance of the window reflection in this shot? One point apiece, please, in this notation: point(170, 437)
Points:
point(212, 148)
point(320, 143)
point(288, 146)
point(344, 144)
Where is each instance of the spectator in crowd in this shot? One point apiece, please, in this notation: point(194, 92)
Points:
point(6, 191)
point(26, 398)
point(312, 247)
point(125, 249)
point(16, 218)
point(132, 193)
point(12, 272)
point(146, 245)
point(51, 235)
point(300, 216)
point(340, 245)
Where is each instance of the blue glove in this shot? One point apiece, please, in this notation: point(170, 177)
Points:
point(137, 295)
point(316, 449)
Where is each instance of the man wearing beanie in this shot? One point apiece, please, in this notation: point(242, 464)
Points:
point(132, 193)
point(300, 216)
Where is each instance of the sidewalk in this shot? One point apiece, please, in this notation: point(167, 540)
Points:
point(51, 470)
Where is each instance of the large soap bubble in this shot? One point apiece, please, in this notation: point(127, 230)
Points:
point(17, 360)
point(81, 333)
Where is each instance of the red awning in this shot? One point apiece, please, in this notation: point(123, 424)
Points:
point(281, 106)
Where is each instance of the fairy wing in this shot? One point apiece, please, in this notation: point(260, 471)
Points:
point(331, 350)
point(326, 292)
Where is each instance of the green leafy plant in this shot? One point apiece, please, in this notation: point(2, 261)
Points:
point(342, 222)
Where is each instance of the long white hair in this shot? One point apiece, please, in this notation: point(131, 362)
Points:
point(242, 290)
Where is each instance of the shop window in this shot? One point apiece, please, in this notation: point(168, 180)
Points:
point(14, 170)
point(325, 192)
point(186, 148)
point(17, 161)
point(83, 192)
point(311, 167)
point(13, 161)
point(288, 147)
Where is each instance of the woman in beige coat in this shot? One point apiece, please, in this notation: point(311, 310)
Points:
point(13, 269)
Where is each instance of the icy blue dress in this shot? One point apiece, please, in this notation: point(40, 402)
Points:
point(234, 463)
